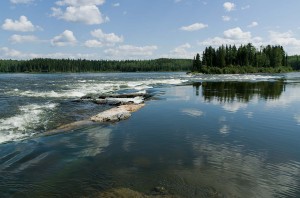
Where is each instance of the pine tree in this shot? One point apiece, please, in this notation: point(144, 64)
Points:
point(198, 63)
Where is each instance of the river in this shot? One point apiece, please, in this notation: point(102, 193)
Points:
point(198, 136)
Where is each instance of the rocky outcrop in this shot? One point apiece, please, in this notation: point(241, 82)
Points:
point(128, 95)
point(119, 101)
point(116, 99)
point(116, 114)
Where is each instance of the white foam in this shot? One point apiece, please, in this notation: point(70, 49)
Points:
point(23, 124)
point(51, 94)
point(84, 87)
point(136, 100)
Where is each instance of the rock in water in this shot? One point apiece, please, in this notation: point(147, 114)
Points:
point(128, 193)
point(116, 114)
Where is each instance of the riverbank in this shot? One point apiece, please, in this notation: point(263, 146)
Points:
point(244, 70)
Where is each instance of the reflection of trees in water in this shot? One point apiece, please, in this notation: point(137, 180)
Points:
point(240, 91)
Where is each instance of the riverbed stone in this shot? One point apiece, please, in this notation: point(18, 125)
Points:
point(116, 114)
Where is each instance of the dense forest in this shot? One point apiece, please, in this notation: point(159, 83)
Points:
point(221, 60)
point(294, 62)
point(244, 59)
point(70, 65)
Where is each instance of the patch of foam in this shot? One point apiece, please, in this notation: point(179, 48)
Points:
point(136, 100)
point(22, 125)
point(53, 94)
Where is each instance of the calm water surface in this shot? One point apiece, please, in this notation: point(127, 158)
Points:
point(204, 136)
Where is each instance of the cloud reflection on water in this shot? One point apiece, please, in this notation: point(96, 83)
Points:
point(237, 173)
point(192, 112)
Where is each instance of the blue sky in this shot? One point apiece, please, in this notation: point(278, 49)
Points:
point(142, 29)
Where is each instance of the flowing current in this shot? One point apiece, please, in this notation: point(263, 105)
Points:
point(34, 103)
point(198, 136)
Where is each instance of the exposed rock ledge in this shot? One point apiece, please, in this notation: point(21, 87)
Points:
point(116, 114)
point(112, 115)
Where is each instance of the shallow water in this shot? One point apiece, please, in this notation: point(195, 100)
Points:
point(203, 136)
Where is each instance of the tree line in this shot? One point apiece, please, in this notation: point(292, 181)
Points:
point(82, 65)
point(244, 59)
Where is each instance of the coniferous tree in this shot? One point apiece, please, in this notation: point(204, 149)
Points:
point(198, 63)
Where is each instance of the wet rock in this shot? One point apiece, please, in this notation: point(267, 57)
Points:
point(68, 127)
point(107, 102)
point(116, 114)
point(128, 95)
point(159, 190)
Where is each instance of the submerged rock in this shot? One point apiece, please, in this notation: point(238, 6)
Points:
point(128, 193)
point(116, 114)
point(159, 190)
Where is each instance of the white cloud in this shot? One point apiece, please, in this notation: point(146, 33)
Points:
point(130, 51)
point(181, 52)
point(109, 38)
point(228, 6)
point(253, 24)
point(194, 27)
point(226, 18)
point(287, 39)
point(103, 39)
point(21, 25)
point(7, 53)
point(79, 2)
point(10, 53)
point(237, 33)
point(22, 39)
point(116, 4)
point(88, 14)
point(83, 11)
point(21, 1)
point(177, 1)
point(64, 39)
point(234, 36)
point(93, 43)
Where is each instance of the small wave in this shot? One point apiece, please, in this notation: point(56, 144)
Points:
point(23, 124)
point(52, 94)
